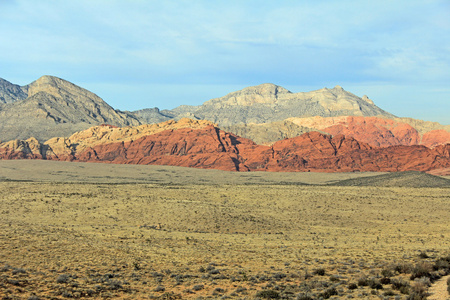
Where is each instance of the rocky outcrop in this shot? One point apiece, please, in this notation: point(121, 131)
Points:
point(379, 132)
point(268, 133)
point(200, 144)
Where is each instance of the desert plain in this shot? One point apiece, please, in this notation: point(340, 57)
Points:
point(101, 231)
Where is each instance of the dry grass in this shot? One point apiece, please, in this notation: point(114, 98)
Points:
point(169, 241)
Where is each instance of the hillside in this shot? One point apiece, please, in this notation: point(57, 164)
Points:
point(200, 144)
point(54, 107)
point(10, 93)
point(410, 179)
point(269, 103)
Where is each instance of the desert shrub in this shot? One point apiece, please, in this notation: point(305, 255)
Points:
point(352, 286)
point(5, 268)
point(279, 276)
point(363, 281)
point(385, 280)
point(214, 272)
point(403, 268)
point(268, 294)
point(443, 263)
point(400, 285)
point(421, 270)
point(419, 288)
point(334, 278)
point(320, 272)
point(64, 278)
point(329, 292)
point(387, 273)
point(198, 287)
point(159, 288)
point(389, 293)
point(115, 284)
point(304, 297)
point(375, 284)
point(18, 271)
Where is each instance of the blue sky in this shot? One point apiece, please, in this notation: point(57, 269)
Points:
point(139, 54)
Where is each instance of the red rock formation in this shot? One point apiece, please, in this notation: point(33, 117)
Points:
point(378, 132)
point(435, 137)
point(211, 148)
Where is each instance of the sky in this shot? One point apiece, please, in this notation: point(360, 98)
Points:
point(141, 54)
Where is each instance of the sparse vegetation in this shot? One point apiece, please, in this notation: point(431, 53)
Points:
point(162, 241)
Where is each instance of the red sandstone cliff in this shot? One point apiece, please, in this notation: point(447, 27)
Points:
point(202, 145)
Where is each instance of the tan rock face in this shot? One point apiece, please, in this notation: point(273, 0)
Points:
point(201, 145)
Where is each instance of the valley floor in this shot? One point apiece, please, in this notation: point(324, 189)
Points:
point(201, 239)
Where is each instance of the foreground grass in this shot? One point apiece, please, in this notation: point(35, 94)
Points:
point(72, 240)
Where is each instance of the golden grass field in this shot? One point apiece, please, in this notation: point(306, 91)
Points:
point(74, 230)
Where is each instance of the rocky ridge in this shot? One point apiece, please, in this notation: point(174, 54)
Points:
point(10, 93)
point(55, 107)
point(268, 102)
point(200, 144)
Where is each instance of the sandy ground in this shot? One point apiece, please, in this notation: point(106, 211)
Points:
point(138, 232)
point(55, 171)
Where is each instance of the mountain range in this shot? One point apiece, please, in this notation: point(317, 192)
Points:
point(264, 127)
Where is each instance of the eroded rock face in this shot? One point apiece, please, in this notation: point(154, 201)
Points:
point(201, 145)
point(379, 132)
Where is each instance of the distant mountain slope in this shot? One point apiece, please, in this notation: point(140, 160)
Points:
point(269, 103)
point(151, 115)
point(10, 93)
point(400, 179)
point(268, 133)
point(55, 107)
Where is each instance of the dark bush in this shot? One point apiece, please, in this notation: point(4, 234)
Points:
point(363, 281)
point(329, 292)
point(352, 286)
point(375, 284)
point(403, 268)
point(304, 297)
point(387, 273)
point(421, 270)
point(64, 278)
point(268, 294)
point(320, 272)
point(198, 287)
point(400, 285)
point(385, 280)
point(159, 288)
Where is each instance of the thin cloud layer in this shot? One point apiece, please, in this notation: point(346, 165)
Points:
point(167, 45)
